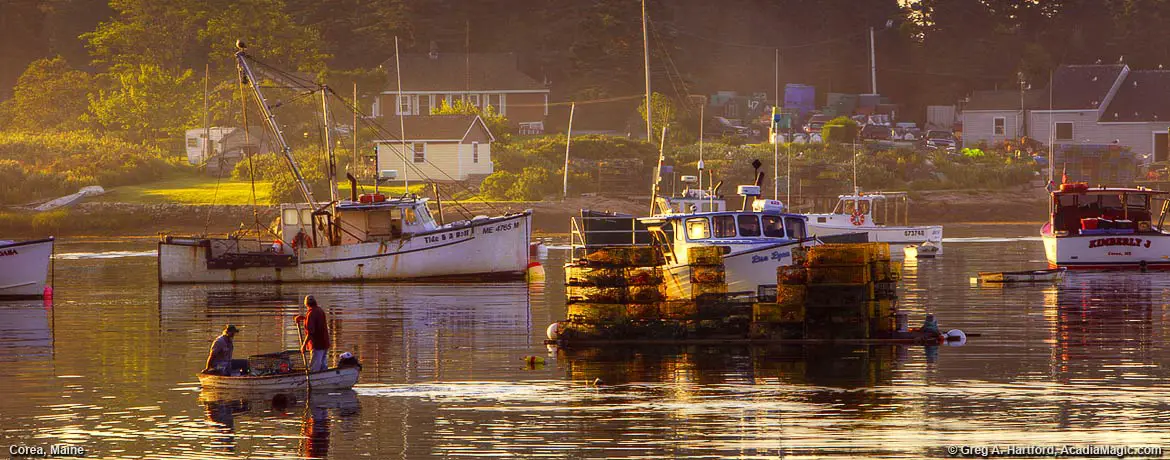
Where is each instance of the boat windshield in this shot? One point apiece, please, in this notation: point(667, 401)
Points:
point(749, 225)
point(723, 226)
point(796, 228)
point(773, 227)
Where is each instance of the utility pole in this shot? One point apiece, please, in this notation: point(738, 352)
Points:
point(646, 56)
point(568, 140)
point(401, 122)
point(872, 64)
point(354, 131)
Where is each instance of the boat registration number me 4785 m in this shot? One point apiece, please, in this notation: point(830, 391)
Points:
point(501, 228)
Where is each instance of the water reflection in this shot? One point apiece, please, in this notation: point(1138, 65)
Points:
point(315, 411)
point(26, 334)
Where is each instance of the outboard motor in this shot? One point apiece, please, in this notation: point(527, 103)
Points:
point(347, 359)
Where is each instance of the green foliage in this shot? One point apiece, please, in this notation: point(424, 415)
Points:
point(146, 103)
point(663, 115)
point(46, 165)
point(497, 185)
point(972, 153)
point(273, 167)
point(49, 95)
point(840, 130)
point(533, 184)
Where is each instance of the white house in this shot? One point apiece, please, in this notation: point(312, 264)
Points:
point(1087, 105)
point(440, 148)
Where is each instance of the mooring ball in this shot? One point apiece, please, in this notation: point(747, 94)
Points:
point(956, 338)
point(553, 332)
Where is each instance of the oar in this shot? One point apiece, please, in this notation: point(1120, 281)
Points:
point(305, 360)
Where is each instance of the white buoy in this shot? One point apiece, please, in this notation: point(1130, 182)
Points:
point(956, 338)
point(553, 332)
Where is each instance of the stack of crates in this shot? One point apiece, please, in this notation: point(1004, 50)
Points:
point(842, 298)
point(784, 318)
point(612, 288)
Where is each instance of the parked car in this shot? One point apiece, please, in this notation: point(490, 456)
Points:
point(877, 132)
point(815, 123)
point(907, 131)
point(726, 128)
point(940, 139)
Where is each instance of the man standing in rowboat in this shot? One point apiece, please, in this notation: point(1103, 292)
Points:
point(316, 334)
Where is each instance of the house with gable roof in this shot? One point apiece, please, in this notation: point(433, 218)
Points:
point(1091, 105)
point(439, 148)
point(480, 79)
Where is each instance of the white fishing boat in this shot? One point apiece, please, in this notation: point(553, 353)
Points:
point(24, 267)
point(925, 250)
point(875, 214)
point(1106, 227)
point(366, 238)
point(754, 242)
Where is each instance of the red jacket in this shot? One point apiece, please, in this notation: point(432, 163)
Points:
point(317, 329)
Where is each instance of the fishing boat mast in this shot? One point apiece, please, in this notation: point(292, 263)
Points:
point(249, 77)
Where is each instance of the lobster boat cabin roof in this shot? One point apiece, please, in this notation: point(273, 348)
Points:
point(389, 203)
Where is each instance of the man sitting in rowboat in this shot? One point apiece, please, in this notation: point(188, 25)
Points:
point(219, 360)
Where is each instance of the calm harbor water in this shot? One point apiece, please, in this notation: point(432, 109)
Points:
point(111, 365)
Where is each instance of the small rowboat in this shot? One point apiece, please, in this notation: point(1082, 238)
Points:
point(1028, 276)
point(925, 250)
point(337, 378)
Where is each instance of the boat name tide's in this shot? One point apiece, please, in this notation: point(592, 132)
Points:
point(775, 255)
point(1119, 242)
point(8, 252)
point(915, 233)
point(447, 236)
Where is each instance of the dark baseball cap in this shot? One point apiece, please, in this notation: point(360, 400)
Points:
point(232, 328)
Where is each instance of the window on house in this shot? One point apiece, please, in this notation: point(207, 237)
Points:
point(473, 99)
point(192, 142)
point(475, 152)
point(420, 152)
point(424, 104)
point(546, 104)
point(1064, 131)
point(999, 126)
point(503, 107)
point(404, 105)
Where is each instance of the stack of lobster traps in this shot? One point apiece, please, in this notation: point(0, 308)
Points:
point(832, 291)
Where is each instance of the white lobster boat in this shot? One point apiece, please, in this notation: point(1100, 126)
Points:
point(1105, 227)
point(755, 242)
point(365, 238)
point(869, 213)
point(24, 267)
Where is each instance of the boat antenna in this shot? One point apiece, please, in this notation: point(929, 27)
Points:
point(401, 121)
point(702, 119)
point(658, 171)
point(331, 159)
point(568, 141)
point(1051, 128)
point(248, 77)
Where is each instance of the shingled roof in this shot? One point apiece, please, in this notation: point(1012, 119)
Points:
point(1006, 100)
point(1143, 96)
point(1083, 86)
point(459, 72)
point(431, 127)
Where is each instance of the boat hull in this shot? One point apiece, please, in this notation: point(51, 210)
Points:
point(1108, 251)
point(883, 234)
point(338, 378)
point(485, 249)
point(746, 270)
point(1022, 276)
point(24, 267)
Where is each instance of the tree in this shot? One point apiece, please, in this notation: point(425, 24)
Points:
point(146, 104)
point(664, 115)
point(48, 95)
point(840, 130)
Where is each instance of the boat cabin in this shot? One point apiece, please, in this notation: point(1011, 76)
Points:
point(734, 231)
point(1079, 210)
point(871, 209)
point(360, 221)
